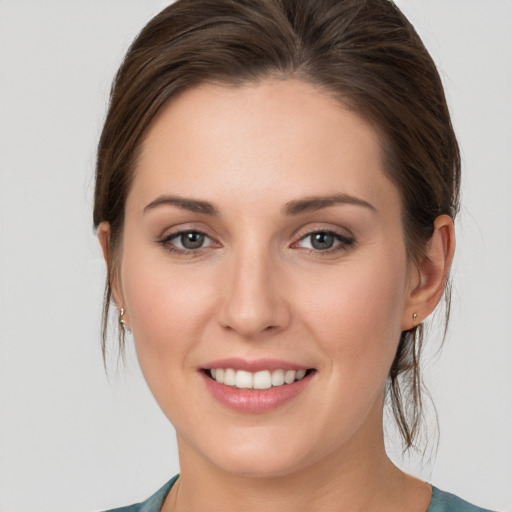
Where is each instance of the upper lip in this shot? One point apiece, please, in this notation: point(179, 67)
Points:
point(255, 365)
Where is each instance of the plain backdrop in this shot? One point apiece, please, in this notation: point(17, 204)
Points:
point(72, 440)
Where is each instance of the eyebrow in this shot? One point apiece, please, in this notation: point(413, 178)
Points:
point(295, 207)
point(311, 204)
point(192, 205)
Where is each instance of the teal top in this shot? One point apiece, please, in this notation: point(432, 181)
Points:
point(441, 502)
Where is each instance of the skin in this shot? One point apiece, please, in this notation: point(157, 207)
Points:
point(257, 288)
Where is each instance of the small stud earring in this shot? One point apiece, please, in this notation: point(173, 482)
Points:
point(414, 317)
point(122, 311)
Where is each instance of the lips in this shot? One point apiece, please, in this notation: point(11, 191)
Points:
point(254, 365)
point(255, 386)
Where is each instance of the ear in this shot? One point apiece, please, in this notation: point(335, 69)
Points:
point(428, 276)
point(113, 274)
point(104, 239)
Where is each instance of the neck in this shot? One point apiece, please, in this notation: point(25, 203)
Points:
point(356, 477)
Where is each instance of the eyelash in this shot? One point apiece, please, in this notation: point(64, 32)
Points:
point(166, 242)
point(344, 242)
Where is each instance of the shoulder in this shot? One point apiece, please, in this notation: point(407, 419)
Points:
point(446, 502)
point(153, 503)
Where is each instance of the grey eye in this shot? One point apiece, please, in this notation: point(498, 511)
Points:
point(322, 241)
point(325, 242)
point(192, 240)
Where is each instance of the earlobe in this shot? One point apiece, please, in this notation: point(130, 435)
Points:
point(432, 273)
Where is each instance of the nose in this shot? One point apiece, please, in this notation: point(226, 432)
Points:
point(254, 296)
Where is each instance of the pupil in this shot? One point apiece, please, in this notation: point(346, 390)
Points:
point(192, 240)
point(322, 240)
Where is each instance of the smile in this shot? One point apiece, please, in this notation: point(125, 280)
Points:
point(264, 379)
point(256, 386)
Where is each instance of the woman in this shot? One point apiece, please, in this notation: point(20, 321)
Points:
point(276, 188)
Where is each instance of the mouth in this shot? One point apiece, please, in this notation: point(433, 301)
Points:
point(259, 380)
point(258, 385)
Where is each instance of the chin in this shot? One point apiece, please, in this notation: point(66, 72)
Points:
point(260, 456)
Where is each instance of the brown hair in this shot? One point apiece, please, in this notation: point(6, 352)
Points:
point(365, 52)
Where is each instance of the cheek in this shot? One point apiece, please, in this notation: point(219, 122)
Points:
point(167, 308)
point(356, 323)
point(357, 316)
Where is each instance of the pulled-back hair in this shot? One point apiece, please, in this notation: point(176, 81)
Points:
point(364, 52)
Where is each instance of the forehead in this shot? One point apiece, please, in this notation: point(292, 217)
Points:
point(272, 139)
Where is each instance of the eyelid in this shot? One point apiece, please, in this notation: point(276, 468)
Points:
point(182, 227)
point(343, 233)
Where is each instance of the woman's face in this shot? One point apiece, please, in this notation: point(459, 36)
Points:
point(262, 237)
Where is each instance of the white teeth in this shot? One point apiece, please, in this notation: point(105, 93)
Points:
point(243, 379)
point(264, 379)
point(219, 375)
point(230, 377)
point(277, 377)
point(289, 376)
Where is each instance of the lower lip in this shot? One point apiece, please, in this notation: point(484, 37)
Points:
point(252, 400)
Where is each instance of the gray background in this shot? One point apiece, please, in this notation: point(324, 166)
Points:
point(72, 440)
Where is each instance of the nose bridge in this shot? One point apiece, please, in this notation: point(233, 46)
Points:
point(253, 300)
